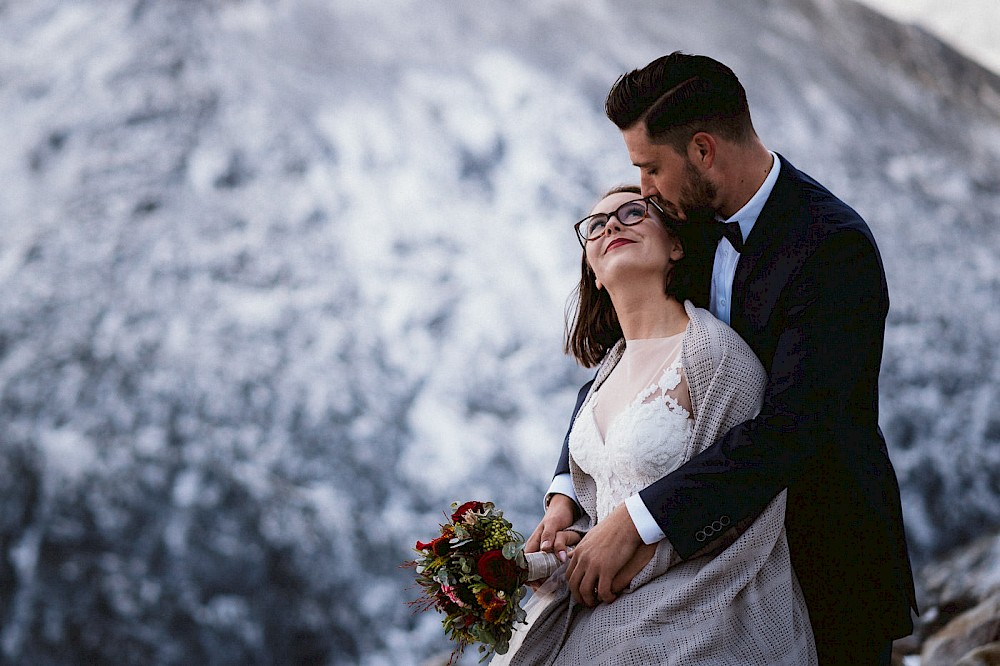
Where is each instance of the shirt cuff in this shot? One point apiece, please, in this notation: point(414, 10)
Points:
point(562, 484)
point(647, 528)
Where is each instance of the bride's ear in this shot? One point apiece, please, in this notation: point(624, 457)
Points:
point(677, 251)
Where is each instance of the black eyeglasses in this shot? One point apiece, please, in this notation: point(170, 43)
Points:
point(629, 213)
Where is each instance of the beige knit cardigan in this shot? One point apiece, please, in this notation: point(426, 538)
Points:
point(741, 606)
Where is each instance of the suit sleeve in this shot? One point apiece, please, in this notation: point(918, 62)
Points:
point(562, 467)
point(822, 387)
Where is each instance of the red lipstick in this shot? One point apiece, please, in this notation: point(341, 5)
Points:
point(615, 243)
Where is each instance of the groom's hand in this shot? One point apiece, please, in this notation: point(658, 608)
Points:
point(550, 536)
point(598, 562)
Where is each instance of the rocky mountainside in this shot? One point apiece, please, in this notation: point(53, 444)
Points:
point(959, 624)
point(284, 278)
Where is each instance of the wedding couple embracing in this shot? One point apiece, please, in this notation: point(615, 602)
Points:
point(724, 493)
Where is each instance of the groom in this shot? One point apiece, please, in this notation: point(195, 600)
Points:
point(799, 277)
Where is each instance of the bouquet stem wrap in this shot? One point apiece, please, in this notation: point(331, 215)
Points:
point(541, 565)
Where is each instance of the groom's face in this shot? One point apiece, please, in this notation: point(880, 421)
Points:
point(665, 173)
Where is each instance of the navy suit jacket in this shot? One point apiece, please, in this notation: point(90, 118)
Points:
point(810, 298)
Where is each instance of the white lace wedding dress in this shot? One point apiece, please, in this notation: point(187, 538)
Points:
point(636, 428)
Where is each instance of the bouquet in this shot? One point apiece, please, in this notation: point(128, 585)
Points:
point(474, 572)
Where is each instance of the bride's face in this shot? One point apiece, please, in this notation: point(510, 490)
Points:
point(623, 254)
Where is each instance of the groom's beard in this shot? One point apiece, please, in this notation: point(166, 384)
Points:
point(697, 195)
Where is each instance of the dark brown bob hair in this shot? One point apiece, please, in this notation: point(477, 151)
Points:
point(592, 327)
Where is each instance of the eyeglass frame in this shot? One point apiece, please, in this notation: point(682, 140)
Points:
point(648, 200)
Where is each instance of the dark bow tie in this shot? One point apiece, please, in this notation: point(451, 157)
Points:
point(732, 232)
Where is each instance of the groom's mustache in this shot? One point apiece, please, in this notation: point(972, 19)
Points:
point(689, 214)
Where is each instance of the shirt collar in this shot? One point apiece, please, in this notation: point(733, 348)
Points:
point(747, 216)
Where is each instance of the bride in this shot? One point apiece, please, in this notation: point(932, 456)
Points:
point(671, 379)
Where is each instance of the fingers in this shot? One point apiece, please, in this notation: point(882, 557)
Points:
point(603, 590)
point(548, 538)
point(532, 544)
point(586, 582)
point(563, 541)
point(557, 517)
point(621, 581)
point(581, 585)
point(624, 577)
point(610, 548)
point(568, 538)
point(573, 574)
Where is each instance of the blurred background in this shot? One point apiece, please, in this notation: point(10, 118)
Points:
point(282, 279)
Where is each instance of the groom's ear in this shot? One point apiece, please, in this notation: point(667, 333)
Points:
point(701, 150)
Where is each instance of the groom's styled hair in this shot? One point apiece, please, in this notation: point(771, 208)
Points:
point(676, 96)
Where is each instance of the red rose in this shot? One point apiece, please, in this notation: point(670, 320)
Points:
point(441, 545)
point(497, 571)
point(438, 546)
point(465, 508)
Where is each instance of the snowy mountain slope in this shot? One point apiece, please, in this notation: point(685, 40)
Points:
point(968, 25)
point(283, 279)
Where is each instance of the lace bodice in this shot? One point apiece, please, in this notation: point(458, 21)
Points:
point(643, 441)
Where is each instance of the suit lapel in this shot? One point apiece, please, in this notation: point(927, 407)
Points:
point(767, 235)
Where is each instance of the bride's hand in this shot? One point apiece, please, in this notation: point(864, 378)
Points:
point(569, 539)
point(551, 534)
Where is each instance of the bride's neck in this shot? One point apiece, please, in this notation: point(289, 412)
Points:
point(648, 314)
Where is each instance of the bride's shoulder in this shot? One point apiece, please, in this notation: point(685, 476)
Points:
point(712, 332)
point(703, 319)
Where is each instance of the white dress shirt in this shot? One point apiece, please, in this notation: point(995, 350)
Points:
point(726, 256)
point(720, 304)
